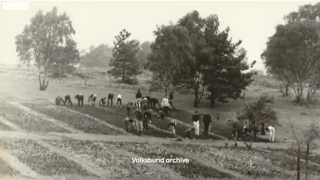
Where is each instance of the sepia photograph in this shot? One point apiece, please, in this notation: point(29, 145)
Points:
point(173, 90)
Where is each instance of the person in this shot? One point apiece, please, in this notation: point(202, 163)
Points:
point(129, 108)
point(262, 129)
point(246, 126)
point(146, 119)
point(119, 100)
point(59, 100)
point(110, 99)
point(171, 99)
point(272, 133)
point(138, 98)
point(67, 100)
point(165, 105)
point(196, 126)
point(196, 123)
point(139, 122)
point(206, 121)
point(103, 101)
point(172, 126)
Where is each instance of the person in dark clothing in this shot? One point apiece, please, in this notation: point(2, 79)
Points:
point(171, 100)
point(129, 108)
point(80, 99)
point(139, 94)
point(146, 119)
point(206, 121)
point(67, 100)
point(103, 101)
point(110, 99)
point(59, 101)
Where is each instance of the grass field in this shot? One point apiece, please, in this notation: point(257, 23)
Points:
point(40, 140)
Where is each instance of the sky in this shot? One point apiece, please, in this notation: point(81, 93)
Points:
point(97, 22)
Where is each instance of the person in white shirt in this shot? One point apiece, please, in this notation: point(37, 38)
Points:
point(272, 133)
point(119, 100)
point(196, 126)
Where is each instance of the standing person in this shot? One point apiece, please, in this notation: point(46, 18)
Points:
point(110, 99)
point(165, 105)
point(172, 126)
point(171, 99)
point(138, 98)
point(272, 133)
point(119, 100)
point(146, 119)
point(206, 121)
point(129, 108)
point(196, 123)
point(139, 118)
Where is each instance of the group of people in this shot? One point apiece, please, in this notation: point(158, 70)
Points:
point(241, 129)
point(92, 100)
point(145, 108)
point(195, 130)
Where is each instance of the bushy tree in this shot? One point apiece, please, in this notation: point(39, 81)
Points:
point(292, 55)
point(259, 112)
point(124, 63)
point(99, 56)
point(47, 41)
point(172, 48)
point(205, 58)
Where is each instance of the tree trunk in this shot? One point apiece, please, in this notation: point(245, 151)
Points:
point(307, 161)
point(298, 163)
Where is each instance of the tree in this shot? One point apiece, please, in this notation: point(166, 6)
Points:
point(41, 40)
point(205, 58)
point(124, 62)
point(292, 55)
point(144, 53)
point(172, 48)
point(99, 56)
point(65, 58)
point(223, 64)
point(259, 112)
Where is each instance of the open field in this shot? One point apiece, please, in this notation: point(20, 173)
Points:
point(39, 140)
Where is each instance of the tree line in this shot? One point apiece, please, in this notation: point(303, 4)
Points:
point(192, 53)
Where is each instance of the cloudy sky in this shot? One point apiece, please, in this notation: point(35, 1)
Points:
point(98, 22)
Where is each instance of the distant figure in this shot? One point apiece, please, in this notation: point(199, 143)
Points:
point(272, 133)
point(165, 105)
point(146, 119)
point(59, 101)
point(206, 121)
point(171, 100)
point(153, 102)
point(119, 100)
point(196, 123)
point(79, 98)
point(92, 99)
point(138, 99)
point(172, 126)
point(103, 101)
point(67, 100)
point(246, 126)
point(110, 99)
point(129, 108)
